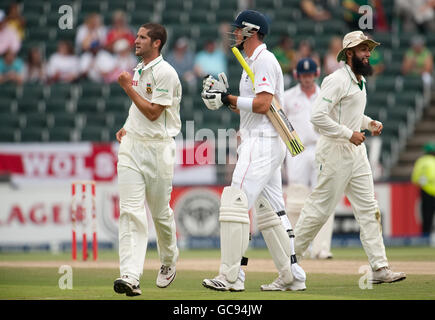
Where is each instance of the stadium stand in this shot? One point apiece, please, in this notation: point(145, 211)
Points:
point(94, 112)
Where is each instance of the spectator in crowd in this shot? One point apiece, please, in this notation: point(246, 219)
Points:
point(9, 39)
point(377, 61)
point(211, 60)
point(330, 63)
point(423, 175)
point(305, 50)
point(316, 9)
point(417, 15)
point(418, 60)
point(11, 68)
point(181, 58)
point(97, 64)
point(91, 34)
point(16, 21)
point(63, 65)
point(119, 30)
point(285, 53)
point(34, 68)
point(125, 60)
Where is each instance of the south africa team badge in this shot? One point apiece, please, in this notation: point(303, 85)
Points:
point(149, 90)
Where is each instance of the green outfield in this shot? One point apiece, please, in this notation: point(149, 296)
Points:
point(21, 277)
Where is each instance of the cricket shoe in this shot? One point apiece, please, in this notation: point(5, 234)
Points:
point(385, 275)
point(124, 285)
point(280, 285)
point(323, 255)
point(166, 276)
point(220, 283)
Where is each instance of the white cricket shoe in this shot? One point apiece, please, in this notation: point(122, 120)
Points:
point(166, 276)
point(280, 285)
point(220, 283)
point(324, 254)
point(385, 275)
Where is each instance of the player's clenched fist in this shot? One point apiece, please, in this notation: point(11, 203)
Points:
point(125, 79)
point(120, 134)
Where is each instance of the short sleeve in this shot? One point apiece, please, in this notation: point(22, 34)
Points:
point(165, 82)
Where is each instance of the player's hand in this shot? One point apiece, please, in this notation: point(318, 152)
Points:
point(357, 138)
point(120, 134)
point(210, 83)
point(213, 99)
point(376, 127)
point(125, 80)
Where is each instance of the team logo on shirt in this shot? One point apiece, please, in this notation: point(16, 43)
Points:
point(149, 90)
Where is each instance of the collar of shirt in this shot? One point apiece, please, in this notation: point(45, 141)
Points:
point(352, 75)
point(256, 52)
point(150, 64)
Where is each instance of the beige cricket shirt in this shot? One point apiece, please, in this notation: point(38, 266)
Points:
point(157, 82)
point(339, 108)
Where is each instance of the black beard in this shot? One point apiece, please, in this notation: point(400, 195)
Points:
point(360, 67)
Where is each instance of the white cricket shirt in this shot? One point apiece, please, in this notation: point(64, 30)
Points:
point(339, 108)
point(157, 82)
point(268, 78)
point(298, 107)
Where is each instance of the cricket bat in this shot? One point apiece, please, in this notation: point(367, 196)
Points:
point(276, 115)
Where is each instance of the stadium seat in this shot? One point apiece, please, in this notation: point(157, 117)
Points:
point(33, 135)
point(85, 104)
point(118, 104)
point(59, 134)
point(56, 105)
point(26, 105)
point(140, 17)
point(10, 121)
point(8, 90)
point(7, 135)
point(96, 119)
point(61, 90)
point(90, 89)
point(62, 119)
point(94, 134)
point(36, 120)
point(33, 91)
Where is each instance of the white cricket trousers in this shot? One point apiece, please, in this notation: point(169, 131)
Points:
point(344, 168)
point(258, 170)
point(303, 169)
point(145, 172)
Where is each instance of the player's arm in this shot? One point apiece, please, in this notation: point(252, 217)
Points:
point(330, 94)
point(150, 110)
point(260, 104)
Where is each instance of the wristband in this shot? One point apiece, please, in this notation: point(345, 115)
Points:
point(245, 104)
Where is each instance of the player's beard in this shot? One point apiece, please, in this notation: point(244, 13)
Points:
point(359, 67)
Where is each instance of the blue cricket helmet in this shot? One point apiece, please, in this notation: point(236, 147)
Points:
point(252, 17)
point(306, 65)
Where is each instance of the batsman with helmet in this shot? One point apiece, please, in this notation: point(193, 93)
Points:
point(256, 181)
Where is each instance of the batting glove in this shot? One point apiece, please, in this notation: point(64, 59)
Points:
point(210, 83)
point(214, 99)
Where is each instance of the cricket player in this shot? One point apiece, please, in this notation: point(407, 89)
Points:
point(338, 116)
point(256, 180)
point(302, 170)
point(146, 161)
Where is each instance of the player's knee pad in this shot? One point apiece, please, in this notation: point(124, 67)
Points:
point(234, 230)
point(275, 236)
point(296, 196)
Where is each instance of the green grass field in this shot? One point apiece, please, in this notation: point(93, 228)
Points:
point(41, 283)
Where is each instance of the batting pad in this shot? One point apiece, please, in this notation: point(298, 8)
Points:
point(234, 231)
point(276, 238)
